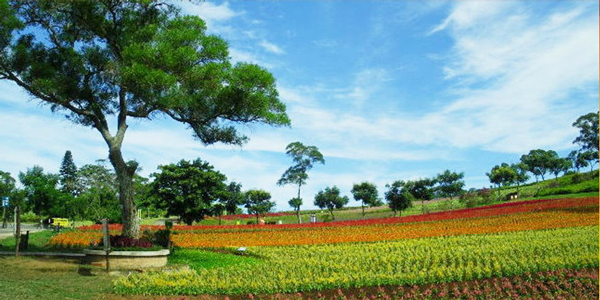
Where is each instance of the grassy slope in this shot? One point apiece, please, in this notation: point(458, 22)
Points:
point(562, 187)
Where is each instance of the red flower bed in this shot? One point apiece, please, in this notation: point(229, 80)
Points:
point(247, 216)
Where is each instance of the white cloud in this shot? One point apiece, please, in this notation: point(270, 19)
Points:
point(208, 11)
point(366, 82)
point(270, 47)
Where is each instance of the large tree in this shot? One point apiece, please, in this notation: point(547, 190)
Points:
point(330, 199)
point(68, 174)
point(397, 197)
point(365, 192)
point(450, 184)
point(188, 189)
point(304, 158)
point(99, 61)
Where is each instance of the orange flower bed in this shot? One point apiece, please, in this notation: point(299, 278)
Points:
point(529, 215)
point(331, 235)
point(75, 239)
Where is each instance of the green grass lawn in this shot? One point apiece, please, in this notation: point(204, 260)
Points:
point(203, 259)
point(36, 278)
point(37, 242)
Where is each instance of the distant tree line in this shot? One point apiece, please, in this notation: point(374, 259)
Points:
point(540, 163)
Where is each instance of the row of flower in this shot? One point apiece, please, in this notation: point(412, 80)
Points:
point(436, 260)
point(544, 215)
point(558, 284)
point(484, 211)
point(390, 232)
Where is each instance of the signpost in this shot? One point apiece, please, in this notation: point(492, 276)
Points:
point(5, 205)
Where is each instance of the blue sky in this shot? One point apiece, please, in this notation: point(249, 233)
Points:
point(386, 90)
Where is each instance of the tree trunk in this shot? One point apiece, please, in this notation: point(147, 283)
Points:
point(363, 209)
point(298, 208)
point(125, 174)
point(332, 216)
point(219, 219)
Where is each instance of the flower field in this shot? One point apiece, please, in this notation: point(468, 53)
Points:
point(512, 250)
point(530, 215)
point(288, 269)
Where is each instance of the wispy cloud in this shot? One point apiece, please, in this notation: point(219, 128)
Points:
point(270, 47)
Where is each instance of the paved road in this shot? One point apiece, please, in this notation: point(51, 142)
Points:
point(8, 231)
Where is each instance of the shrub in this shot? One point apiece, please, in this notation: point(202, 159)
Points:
point(469, 199)
point(119, 241)
point(486, 195)
point(30, 217)
point(162, 237)
point(577, 178)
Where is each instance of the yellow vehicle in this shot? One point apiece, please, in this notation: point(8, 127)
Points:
point(60, 222)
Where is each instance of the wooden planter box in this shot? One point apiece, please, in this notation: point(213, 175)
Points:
point(127, 259)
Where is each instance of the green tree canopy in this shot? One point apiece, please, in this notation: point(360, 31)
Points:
point(98, 194)
point(97, 61)
point(539, 162)
point(559, 165)
point(7, 184)
point(43, 196)
point(295, 203)
point(330, 199)
point(188, 189)
point(502, 175)
point(233, 197)
point(588, 132)
point(257, 203)
point(397, 197)
point(520, 174)
point(449, 184)
point(366, 192)
point(7, 189)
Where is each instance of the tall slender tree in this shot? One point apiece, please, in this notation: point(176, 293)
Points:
point(304, 158)
point(103, 60)
point(68, 174)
